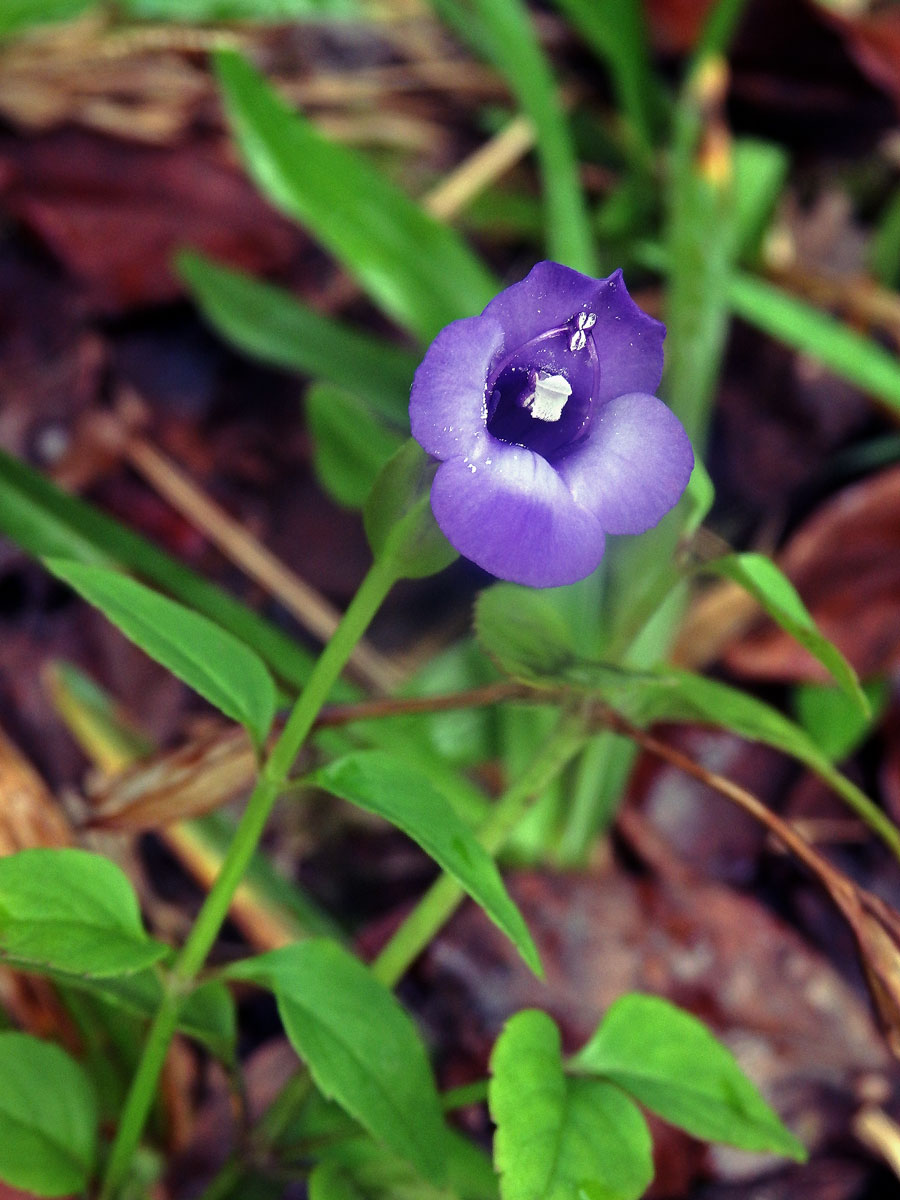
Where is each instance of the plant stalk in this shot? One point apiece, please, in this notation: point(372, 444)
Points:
point(372, 591)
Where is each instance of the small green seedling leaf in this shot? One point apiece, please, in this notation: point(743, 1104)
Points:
point(383, 783)
point(768, 584)
point(560, 1138)
point(208, 659)
point(71, 911)
point(350, 445)
point(48, 1118)
point(399, 522)
point(360, 1046)
point(669, 1061)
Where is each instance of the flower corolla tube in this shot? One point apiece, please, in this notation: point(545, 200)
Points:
point(542, 414)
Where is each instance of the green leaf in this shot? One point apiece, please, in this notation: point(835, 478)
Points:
point(835, 722)
point(399, 522)
point(792, 321)
point(404, 795)
point(670, 695)
point(504, 30)
point(670, 1062)
point(206, 1015)
point(884, 248)
point(760, 170)
point(769, 585)
point(208, 659)
point(210, 1016)
point(699, 498)
point(239, 10)
point(18, 16)
point(618, 35)
point(524, 632)
point(73, 911)
point(559, 1138)
point(48, 523)
point(360, 1046)
point(701, 246)
point(358, 1169)
point(48, 1118)
point(275, 327)
point(417, 269)
point(350, 446)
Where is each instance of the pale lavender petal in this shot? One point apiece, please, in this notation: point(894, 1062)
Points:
point(548, 296)
point(509, 512)
point(447, 403)
point(629, 342)
point(633, 466)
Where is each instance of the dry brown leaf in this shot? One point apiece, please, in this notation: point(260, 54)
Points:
point(115, 213)
point(197, 778)
point(29, 815)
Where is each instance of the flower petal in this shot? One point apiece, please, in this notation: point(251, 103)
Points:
point(629, 343)
point(508, 511)
point(633, 466)
point(447, 407)
point(549, 295)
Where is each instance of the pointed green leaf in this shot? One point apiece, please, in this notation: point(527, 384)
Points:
point(73, 911)
point(699, 497)
point(670, 1062)
point(797, 323)
point(768, 585)
point(559, 1138)
point(48, 1118)
point(833, 720)
point(208, 1014)
point(49, 523)
point(504, 30)
point(208, 659)
point(399, 522)
point(360, 1046)
point(272, 325)
point(350, 445)
point(403, 794)
point(417, 269)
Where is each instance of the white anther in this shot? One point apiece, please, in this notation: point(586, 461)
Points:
point(549, 397)
point(577, 341)
point(587, 320)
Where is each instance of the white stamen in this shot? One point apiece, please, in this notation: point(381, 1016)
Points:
point(549, 397)
point(578, 340)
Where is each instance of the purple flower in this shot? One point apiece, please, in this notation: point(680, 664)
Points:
point(542, 414)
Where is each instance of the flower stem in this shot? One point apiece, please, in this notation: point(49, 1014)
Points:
point(435, 907)
point(328, 667)
point(442, 898)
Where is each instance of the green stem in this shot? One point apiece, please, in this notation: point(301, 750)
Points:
point(329, 665)
point(442, 898)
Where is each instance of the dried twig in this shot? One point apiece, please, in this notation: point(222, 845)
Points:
point(302, 600)
point(875, 924)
